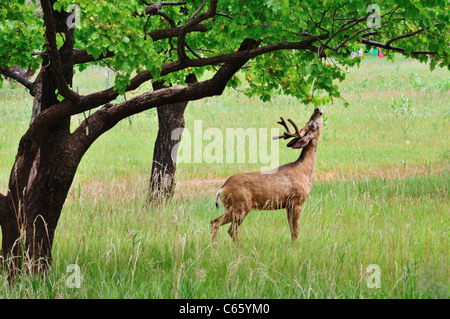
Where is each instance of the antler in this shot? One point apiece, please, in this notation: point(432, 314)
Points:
point(288, 133)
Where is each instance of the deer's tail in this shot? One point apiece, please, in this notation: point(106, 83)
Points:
point(219, 192)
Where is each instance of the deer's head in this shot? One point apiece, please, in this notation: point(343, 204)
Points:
point(301, 138)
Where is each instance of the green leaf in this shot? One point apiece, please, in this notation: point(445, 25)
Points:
point(57, 6)
point(94, 36)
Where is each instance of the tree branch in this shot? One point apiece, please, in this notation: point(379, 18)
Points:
point(31, 139)
point(348, 39)
point(149, 10)
point(109, 115)
point(91, 101)
point(65, 108)
point(8, 72)
point(395, 49)
point(304, 44)
point(53, 54)
point(81, 56)
point(193, 22)
point(344, 28)
point(403, 36)
point(198, 10)
point(154, 7)
point(174, 32)
point(173, 3)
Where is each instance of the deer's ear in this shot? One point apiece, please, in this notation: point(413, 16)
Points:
point(299, 142)
point(293, 142)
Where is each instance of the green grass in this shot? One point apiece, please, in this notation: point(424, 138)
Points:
point(380, 197)
point(126, 251)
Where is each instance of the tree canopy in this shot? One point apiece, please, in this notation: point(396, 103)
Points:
point(302, 46)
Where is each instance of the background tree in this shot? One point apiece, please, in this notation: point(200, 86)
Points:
point(171, 126)
point(298, 48)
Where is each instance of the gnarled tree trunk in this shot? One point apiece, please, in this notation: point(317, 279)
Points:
point(171, 125)
point(41, 175)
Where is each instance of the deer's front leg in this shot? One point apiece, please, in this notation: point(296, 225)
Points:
point(293, 211)
point(295, 224)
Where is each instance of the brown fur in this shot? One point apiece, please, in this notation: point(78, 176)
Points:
point(286, 187)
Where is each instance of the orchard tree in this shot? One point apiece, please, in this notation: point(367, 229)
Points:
point(298, 48)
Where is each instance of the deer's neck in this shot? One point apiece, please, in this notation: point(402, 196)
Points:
point(307, 160)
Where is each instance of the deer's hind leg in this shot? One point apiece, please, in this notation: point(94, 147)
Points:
point(238, 217)
point(237, 208)
point(235, 223)
point(235, 217)
point(220, 221)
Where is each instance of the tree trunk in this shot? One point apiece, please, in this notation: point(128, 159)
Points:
point(171, 125)
point(29, 222)
point(10, 235)
point(34, 113)
point(45, 199)
point(37, 190)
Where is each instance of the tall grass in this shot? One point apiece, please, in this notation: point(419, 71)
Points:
point(380, 196)
point(128, 251)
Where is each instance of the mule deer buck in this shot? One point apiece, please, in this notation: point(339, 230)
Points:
point(286, 187)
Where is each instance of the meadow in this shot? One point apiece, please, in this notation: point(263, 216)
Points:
point(380, 197)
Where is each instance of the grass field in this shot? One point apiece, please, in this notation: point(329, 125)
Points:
point(380, 196)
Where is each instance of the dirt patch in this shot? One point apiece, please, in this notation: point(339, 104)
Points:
point(137, 185)
point(197, 186)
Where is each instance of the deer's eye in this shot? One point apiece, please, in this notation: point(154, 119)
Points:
point(312, 126)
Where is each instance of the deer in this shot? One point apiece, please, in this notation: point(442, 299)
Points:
point(287, 186)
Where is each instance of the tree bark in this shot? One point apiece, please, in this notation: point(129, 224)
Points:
point(26, 74)
point(10, 234)
point(34, 113)
point(56, 170)
point(42, 174)
point(171, 126)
